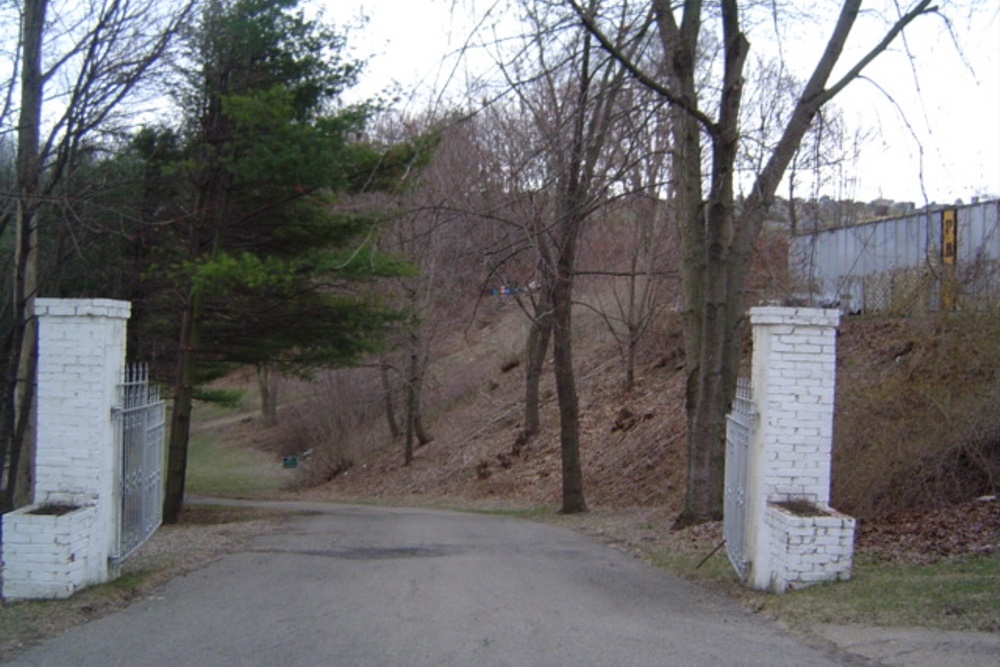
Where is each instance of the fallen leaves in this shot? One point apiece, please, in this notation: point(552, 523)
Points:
point(925, 536)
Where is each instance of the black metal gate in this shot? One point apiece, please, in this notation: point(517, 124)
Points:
point(141, 418)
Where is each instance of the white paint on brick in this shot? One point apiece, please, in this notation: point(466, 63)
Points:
point(807, 550)
point(46, 556)
point(793, 380)
point(81, 361)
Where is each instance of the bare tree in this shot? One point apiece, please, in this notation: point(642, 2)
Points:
point(389, 398)
point(75, 77)
point(513, 179)
point(638, 227)
point(717, 237)
point(572, 93)
point(431, 227)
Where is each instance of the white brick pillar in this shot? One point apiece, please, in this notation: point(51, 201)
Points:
point(793, 379)
point(62, 542)
point(794, 373)
point(81, 362)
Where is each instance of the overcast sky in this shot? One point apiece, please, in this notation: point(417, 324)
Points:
point(950, 96)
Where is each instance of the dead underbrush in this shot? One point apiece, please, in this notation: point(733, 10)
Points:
point(631, 442)
point(917, 432)
point(917, 423)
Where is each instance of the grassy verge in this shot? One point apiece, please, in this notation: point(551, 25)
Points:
point(954, 594)
point(218, 468)
point(24, 624)
point(961, 593)
point(539, 512)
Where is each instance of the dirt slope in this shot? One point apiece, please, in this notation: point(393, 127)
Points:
point(631, 444)
point(903, 385)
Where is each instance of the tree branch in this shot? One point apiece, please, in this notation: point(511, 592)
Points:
point(923, 7)
point(642, 77)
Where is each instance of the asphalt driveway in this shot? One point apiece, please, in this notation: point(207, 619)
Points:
point(363, 586)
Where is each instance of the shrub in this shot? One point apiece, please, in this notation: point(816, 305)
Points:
point(342, 422)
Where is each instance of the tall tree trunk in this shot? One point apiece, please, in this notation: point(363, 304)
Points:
point(22, 457)
point(414, 429)
point(630, 320)
point(710, 384)
point(180, 418)
point(389, 401)
point(414, 388)
point(423, 437)
point(687, 173)
point(539, 334)
point(7, 419)
point(411, 407)
point(716, 245)
point(24, 348)
point(20, 480)
point(213, 203)
point(569, 408)
point(536, 348)
point(637, 304)
point(572, 192)
point(706, 424)
point(267, 387)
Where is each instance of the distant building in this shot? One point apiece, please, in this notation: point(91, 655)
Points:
point(926, 260)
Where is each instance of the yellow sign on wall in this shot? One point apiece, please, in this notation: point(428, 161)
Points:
point(949, 236)
point(949, 256)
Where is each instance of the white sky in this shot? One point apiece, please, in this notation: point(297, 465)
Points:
point(952, 107)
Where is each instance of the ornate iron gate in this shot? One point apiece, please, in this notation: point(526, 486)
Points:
point(739, 424)
point(141, 418)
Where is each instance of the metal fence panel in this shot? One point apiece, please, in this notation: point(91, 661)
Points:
point(895, 264)
point(739, 424)
point(141, 417)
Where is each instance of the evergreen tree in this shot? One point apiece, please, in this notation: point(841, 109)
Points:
point(264, 262)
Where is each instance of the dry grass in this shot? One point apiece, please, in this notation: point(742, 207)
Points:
point(918, 412)
point(339, 423)
point(917, 419)
point(631, 453)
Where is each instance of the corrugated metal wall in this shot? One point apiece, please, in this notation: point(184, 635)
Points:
point(896, 264)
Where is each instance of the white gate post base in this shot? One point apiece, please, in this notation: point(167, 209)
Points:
point(806, 550)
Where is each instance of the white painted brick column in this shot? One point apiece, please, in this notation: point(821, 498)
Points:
point(81, 360)
point(793, 380)
point(794, 374)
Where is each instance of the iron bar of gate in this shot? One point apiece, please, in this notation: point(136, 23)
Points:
point(141, 417)
point(739, 424)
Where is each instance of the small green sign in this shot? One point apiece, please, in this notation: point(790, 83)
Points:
point(290, 462)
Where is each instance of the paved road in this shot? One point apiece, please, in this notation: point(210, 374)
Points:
point(361, 586)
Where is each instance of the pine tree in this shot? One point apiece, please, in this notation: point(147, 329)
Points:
point(266, 264)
